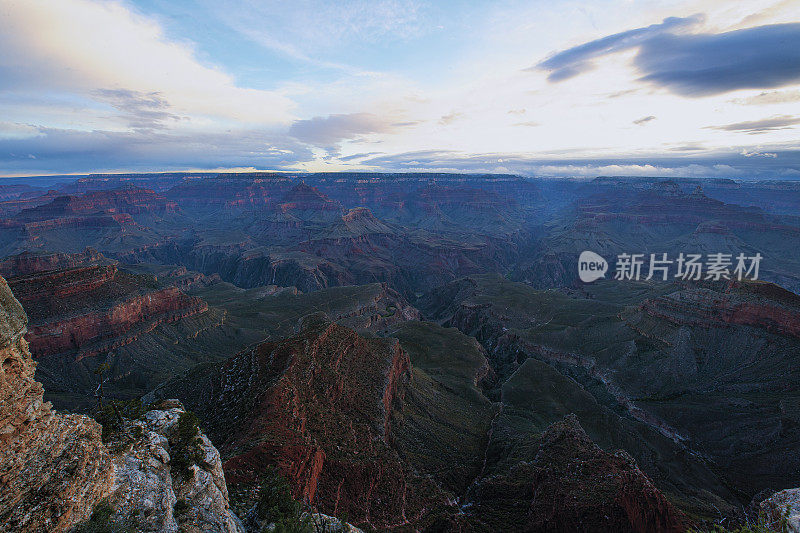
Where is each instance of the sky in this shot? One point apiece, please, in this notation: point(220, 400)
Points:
point(707, 88)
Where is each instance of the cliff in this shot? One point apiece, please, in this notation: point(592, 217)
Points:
point(317, 407)
point(570, 484)
point(130, 201)
point(56, 471)
point(760, 305)
point(82, 303)
point(28, 263)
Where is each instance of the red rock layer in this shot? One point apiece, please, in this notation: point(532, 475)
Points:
point(91, 333)
point(62, 283)
point(775, 314)
point(305, 198)
point(28, 263)
point(88, 308)
point(130, 201)
point(318, 407)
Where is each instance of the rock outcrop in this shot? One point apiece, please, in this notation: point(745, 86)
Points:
point(129, 201)
point(760, 305)
point(55, 469)
point(318, 407)
point(782, 511)
point(28, 263)
point(153, 492)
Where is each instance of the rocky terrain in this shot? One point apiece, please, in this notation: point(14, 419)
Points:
point(395, 433)
point(57, 473)
point(408, 351)
point(673, 365)
point(570, 484)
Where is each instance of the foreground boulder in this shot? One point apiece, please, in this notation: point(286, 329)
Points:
point(156, 473)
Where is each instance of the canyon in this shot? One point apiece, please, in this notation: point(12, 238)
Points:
point(408, 351)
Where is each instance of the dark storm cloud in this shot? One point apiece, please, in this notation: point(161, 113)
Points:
point(781, 122)
point(573, 61)
point(695, 64)
point(60, 150)
point(698, 65)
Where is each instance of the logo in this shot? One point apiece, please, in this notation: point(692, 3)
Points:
point(591, 267)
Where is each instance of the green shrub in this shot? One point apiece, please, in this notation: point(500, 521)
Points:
point(101, 521)
point(181, 507)
point(275, 500)
point(761, 526)
point(186, 450)
point(113, 412)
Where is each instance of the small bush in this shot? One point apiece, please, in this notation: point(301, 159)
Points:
point(181, 507)
point(186, 449)
point(761, 526)
point(275, 498)
point(188, 426)
point(113, 412)
point(101, 521)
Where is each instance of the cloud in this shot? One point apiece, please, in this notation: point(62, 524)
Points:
point(80, 46)
point(573, 61)
point(644, 120)
point(55, 151)
point(771, 97)
point(15, 130)
point(141, 110)
point(743, 163)
point(687, 147)
point(755, 153)
point(450, 118)
point(363, 155)
point(328, 132)
point(694, 65)
point(528, 123)
point(764, 125)
point(699, 65)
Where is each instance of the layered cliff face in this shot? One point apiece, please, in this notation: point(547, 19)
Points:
point(130, 201)
point(83, 309)
point(28, 263)
point(230, 192)
point(760, 305)
point(109, 220)
point(55, 469)
point(86, 310)
point(78, 306)
point(318, 408)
